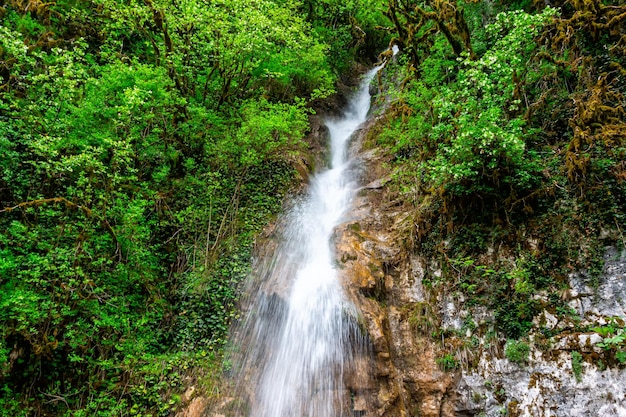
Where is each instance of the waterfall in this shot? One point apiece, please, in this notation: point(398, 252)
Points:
point(295, 340)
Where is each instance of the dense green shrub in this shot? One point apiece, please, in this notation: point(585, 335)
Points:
point(144, 144)
point(516, 351)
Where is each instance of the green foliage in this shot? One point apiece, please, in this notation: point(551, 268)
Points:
point(512, 185)
point(477, 141)
point(508, 291)
point(614, 339)
point(447, 363)
point(266, 130)
point(577, 365)
point(144, 144)
point(516, 351)
point(348, 27)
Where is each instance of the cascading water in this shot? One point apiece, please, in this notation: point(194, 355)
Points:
point(296, 337)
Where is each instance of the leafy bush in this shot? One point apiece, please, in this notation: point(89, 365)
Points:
point(479, 141)
point(613, 339)
point(516, 351)
point(447, 363)
point(144, 145)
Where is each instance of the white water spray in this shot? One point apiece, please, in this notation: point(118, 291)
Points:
point(297, 344)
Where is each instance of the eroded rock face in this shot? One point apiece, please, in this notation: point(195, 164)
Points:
point(403, 378)
point(609, 298)
point(554, 382)
point(567, 372)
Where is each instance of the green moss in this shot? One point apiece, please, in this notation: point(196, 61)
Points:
point(577, 365)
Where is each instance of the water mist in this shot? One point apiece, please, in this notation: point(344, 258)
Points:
point(296, 341)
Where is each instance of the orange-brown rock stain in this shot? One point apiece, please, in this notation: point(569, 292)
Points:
point(400, 377)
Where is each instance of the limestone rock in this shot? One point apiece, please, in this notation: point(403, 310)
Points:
point(385, 285)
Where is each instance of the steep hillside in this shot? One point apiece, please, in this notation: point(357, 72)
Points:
point(487, 252)
point(144, 145)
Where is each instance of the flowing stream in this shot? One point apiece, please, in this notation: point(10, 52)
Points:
point(297, 338)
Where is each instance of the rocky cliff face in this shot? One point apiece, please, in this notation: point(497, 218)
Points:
point(434, 356)
point(567, 372)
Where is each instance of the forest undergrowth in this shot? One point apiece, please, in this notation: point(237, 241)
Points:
point(144, 146)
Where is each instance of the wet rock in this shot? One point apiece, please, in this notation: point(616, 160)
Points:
point(385, 284)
